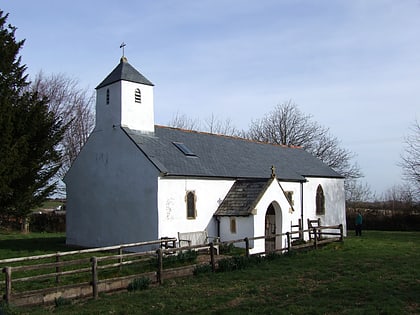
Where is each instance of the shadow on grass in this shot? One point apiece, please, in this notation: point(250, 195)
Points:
point(17, 247)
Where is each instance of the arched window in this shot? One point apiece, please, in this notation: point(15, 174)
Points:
point(233, 225)
point(137, 96)
point(320, 200)
point(107, 96)
point(191, 211)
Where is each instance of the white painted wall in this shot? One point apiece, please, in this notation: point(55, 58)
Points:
point(108, 115)
point(254, 225)
point(244, 228)
point(335, 206)
point(173, 208)
point(122, 108)
point(137, 116)
point(111, 193)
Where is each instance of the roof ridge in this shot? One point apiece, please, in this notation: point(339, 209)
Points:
point(231, 137)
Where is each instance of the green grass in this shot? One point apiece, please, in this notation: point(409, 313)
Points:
point(13, 244)
point(378, 273)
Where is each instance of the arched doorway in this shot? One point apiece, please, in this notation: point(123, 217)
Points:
point(273, 225)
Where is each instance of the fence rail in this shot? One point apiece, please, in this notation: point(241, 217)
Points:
point(88, 269)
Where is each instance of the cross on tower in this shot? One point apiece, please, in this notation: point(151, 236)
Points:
point(122, 46)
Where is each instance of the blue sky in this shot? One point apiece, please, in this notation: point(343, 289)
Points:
point(353, 65)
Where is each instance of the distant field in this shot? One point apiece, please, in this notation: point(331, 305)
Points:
point(378, 273)
point(51, 204)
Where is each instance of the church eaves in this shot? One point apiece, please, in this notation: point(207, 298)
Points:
point(124, 71)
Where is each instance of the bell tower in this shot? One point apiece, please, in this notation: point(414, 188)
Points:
point(125, 98)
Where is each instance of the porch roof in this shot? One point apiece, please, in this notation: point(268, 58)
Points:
point(242, 197)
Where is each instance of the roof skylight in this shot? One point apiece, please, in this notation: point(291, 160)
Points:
point(184, 149)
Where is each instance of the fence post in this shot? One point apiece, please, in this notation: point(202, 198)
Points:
point(8, 272)
point(341, 233)
point(300, 230)
point(120, 251)
point(246, 246)
point(94, 261)
point(57, 268)
point(159, 266)
point(213, 265)
point(289, 245)
point(315, 238)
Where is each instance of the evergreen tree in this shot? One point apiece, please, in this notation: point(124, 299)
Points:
point(29, 134)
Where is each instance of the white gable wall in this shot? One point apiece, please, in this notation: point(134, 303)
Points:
point(111, 193)
point(274, 194)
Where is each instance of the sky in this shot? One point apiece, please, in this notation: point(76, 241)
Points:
point(354, 66)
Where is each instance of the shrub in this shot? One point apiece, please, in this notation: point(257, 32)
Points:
point(234, 263)
point(61, 301)
point(202, 269)
point(226, 248)
point(242, 262)
point(5, 309)
point(189, 256)
point(139, 284)
point(226, 264)
point(272, 256)
point(180, 259)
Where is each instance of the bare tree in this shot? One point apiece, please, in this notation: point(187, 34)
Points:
point(74, 106)
point(358, 192)
point(223, 127)
point(287, 125)
point(211, 125)
point(399, 197)
point(184, 122)
point(410, 159)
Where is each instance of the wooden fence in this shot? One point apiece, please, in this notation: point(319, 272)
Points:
point(91, 274)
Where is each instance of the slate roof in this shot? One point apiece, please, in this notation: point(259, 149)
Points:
point(124, 71)
point(226, 157)
point(242, 197)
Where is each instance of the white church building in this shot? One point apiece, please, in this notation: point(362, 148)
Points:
point(136, 181)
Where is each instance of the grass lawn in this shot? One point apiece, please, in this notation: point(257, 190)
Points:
point(378, 273)
point(13, 244)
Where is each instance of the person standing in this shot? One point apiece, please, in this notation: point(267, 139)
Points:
point(359, 221)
